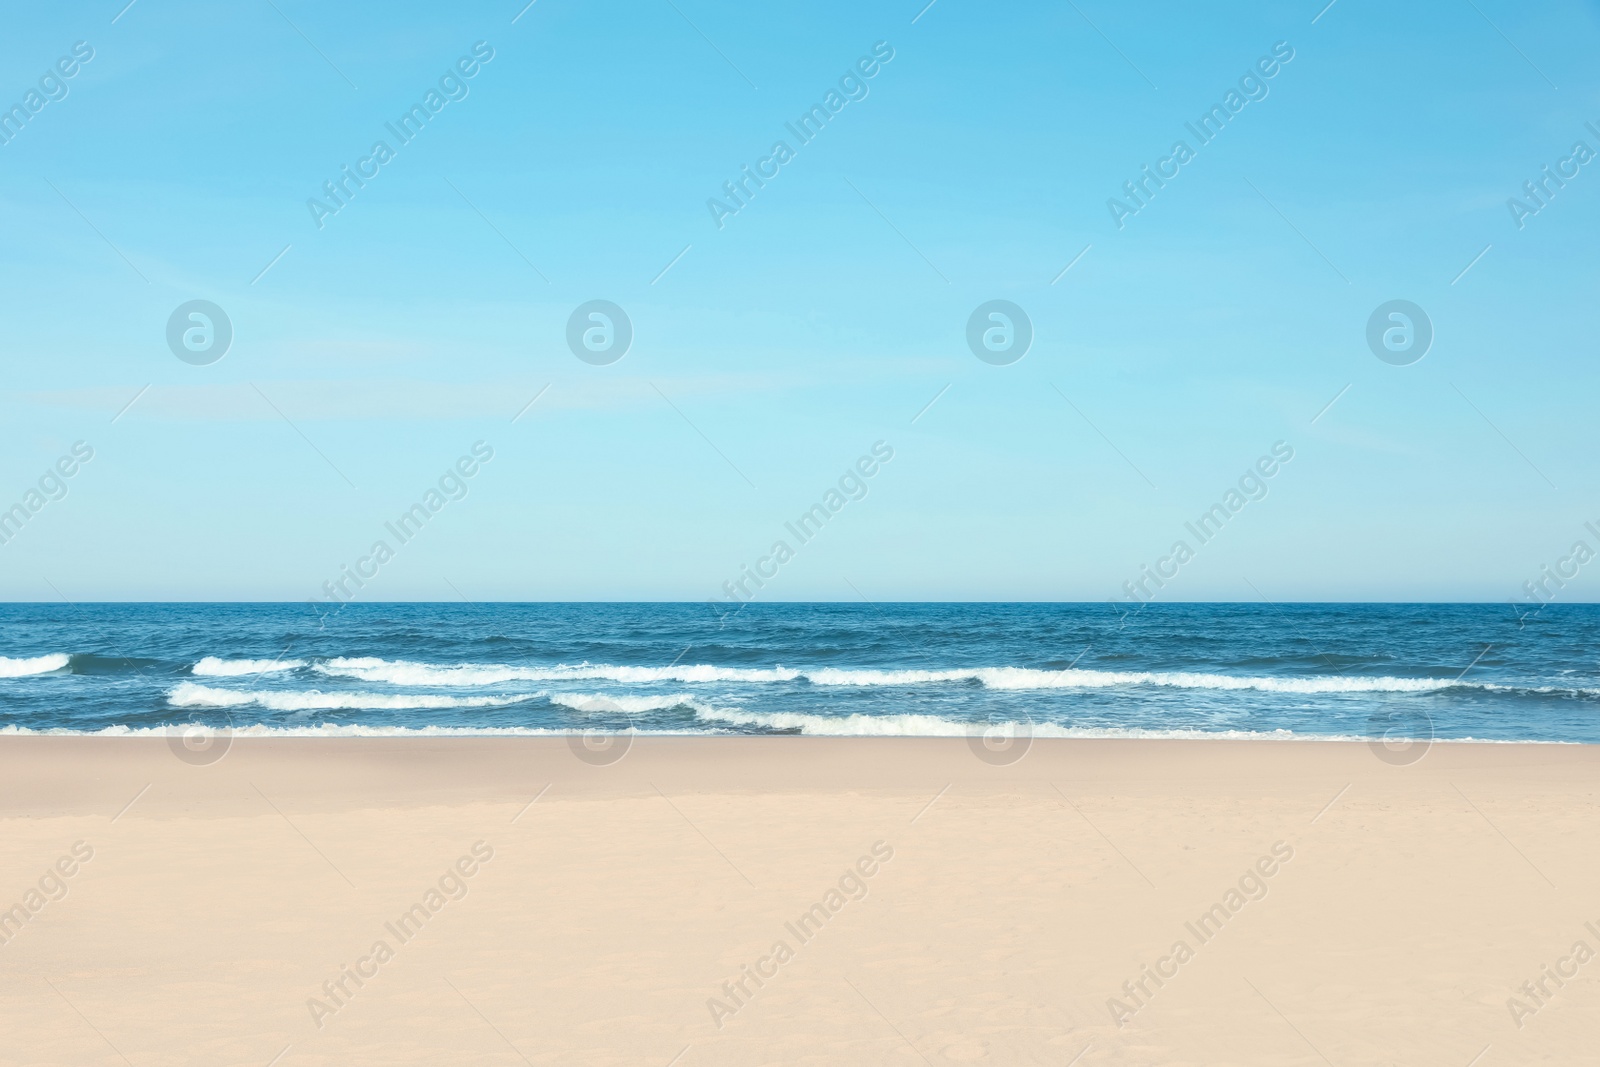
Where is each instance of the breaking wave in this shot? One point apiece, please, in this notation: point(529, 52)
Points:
point(912, 725)
point(23, 668)
point(593, 702)
point(402, 672)
point(191, 695)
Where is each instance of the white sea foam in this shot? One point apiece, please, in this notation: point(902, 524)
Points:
point(213, 667)
point(593, 702)
point(22, 668)
point(1030, 678)
point(191, 695)
point(400, 672)
point(1024, 678)
point(823, 724)
point(840, 725)
point(913, 725)
point(326, 729)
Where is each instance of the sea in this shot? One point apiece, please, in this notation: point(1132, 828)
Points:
point(1483, 672)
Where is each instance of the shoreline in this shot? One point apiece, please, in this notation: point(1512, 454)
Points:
point(356, 732)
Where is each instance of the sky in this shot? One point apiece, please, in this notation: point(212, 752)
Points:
point(1173, 347)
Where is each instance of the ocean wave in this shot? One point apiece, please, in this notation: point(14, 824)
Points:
point(1015, 678)
point(23, 668)
point(191, 695)
point(326, 729)
point(827, 727)
point(855, 725)
point(823, 726)
point(402, 672)
point(914, 725)
point(1025, 678)
point(213, 667)
point(631, 705)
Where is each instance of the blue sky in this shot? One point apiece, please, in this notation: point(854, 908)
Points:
point(821, 318)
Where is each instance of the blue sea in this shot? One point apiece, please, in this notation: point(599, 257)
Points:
point(1074, 670)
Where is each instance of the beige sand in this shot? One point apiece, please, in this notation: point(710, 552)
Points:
point(1017, 903)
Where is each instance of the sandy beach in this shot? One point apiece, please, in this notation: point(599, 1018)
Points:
point(796, 900)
